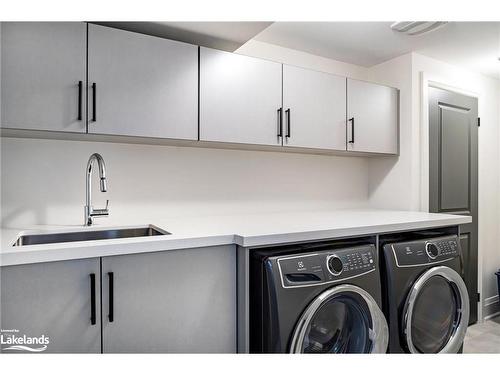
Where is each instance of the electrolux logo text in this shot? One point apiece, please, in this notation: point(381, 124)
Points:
point(11, 340)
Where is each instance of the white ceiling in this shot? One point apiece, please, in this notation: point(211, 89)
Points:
point(472, 45)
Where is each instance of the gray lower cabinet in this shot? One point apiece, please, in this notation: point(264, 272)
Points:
point(180, 301)
point(140, 85)
point(373, 118)
point(43, 76)
point(55, 300)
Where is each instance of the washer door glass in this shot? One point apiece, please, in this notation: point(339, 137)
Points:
point(435, 315)
point(341, 324)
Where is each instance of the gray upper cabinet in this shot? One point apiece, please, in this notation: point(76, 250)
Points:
point(239, 98)
point(180, 301)
point(372, 112)
point(314, 105)
point(55, 300)
point(78, 77)
point(144, 86)
point(42, 64)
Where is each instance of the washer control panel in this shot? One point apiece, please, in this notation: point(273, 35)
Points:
point(326, 265)
point(423, 252)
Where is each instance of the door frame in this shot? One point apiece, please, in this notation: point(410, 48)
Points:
point(427, 81)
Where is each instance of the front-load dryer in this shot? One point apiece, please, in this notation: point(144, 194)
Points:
point(316, 298)
point(425, 301)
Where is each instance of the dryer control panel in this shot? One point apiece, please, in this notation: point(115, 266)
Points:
point(422, 252)
point(326, 266)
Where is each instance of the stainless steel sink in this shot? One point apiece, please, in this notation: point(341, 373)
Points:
point(47, 238)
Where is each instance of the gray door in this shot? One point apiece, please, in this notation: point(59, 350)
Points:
point(55, 300)
point(144, 85)
point(315, 109)
point(373, 117)
point(42, 66)
point(453, 172)
point(181, 301)
point(239, 98)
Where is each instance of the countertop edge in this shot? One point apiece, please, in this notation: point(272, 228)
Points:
point(121, 247)
point(274, 239)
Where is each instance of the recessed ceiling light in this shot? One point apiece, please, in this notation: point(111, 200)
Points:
point(417, 27)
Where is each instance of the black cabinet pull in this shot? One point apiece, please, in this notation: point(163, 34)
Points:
point(352, 130)
point(280, 122)
point(94, 100)
point(92, 299)
point(111, 297)
point(80, 91)
point(288, 123)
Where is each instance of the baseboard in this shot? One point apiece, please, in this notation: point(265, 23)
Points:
point(491, 307)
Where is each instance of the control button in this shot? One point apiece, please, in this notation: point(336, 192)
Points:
point(432, 250)
point(335, 265)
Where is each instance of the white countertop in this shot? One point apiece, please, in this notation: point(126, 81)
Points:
point(249, 230)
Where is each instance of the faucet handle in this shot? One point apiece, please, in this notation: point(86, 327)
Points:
point(107, 204)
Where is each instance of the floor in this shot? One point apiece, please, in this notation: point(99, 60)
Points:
point(483, 337)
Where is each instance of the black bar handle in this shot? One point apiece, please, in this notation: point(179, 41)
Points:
point(352, 130)
point(80, 91)
point(111, 297)
point(94, 100)
point(280, 122)
point(92, 300)
point(288, 134)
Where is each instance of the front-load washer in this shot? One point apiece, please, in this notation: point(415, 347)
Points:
point(425, 301)
point(316, 298)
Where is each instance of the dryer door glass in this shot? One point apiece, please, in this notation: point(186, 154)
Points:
point(434, 315)
point(340, 325)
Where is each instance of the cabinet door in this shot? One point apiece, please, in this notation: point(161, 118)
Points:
point(181, 301)
point(42, 65)
point(55, 300)
point(315, 109)
point(239, 98)
point(144, 85)
point(373, 117)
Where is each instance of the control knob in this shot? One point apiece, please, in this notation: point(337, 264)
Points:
point(335, 265)
point(432, 250)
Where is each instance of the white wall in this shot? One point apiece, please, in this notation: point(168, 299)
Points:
point(43, 181)
point(393, 181)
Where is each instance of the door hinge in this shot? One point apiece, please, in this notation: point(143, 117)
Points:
point(478, 297)
point(479, 121)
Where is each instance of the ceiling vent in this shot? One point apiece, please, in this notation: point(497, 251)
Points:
point(417, 27)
